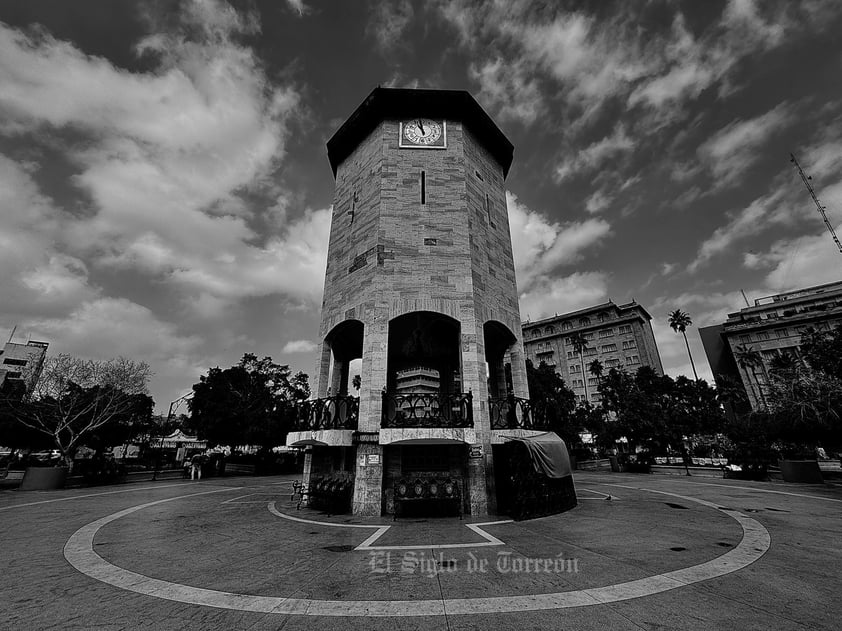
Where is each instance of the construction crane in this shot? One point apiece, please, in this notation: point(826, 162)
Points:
point(806, 179)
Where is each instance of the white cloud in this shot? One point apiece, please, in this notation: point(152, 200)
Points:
point(597, 153)
point(736, 147)
point(547, 296)
point(539, 247)
point(598, 201)
point(388, 22)
point(508, 89)
point(299, 346)
point(168, 153)
point(298, 6)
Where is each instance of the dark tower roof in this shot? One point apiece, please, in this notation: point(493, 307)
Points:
point(397, 103)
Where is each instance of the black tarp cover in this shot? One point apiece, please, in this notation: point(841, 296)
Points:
point(549, 454)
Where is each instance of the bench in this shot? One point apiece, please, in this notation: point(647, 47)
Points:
point(427, 490)
point(12, 478)
point(331, 493)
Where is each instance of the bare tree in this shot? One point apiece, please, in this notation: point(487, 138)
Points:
point(75, 397)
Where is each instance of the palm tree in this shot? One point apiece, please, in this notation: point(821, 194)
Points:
point(679, 321)
point(580, 344)
point(749, 359)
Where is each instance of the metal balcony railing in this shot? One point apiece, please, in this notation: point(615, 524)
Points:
point(339, 412)
point(425, 409)
point(513, 412)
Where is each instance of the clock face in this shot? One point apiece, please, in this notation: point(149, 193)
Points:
point(421, 132)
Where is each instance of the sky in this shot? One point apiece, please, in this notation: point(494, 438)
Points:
point(165, 191)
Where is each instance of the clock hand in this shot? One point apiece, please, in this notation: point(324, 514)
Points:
point(421, 125)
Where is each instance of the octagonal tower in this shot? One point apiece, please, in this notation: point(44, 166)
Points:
point(420, 285)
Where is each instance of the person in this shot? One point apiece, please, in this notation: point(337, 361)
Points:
point(196, 467)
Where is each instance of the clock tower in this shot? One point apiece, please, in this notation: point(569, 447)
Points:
point(420, 297)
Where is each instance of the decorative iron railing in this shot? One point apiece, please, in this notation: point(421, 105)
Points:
point(513, 412)
point(425, 409)
point(339, 412)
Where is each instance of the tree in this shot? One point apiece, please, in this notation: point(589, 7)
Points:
point(250, 403)
point(75, 400)
point(679, 321)
point(357, 383)
point(580, 345)
point(823, 350)
point(553, 400)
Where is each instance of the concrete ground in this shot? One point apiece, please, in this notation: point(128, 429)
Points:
point(661, 553)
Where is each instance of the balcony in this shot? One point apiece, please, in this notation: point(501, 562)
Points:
point(516, 413)
point(339, 412)
point(427, 410)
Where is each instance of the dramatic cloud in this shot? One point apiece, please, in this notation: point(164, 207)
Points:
point(736, 147)
point(540, 247)
point(597, 153)
point(388, 22)
point(550, 295)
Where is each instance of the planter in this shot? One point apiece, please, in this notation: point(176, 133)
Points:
point(43, 478)
point(803, 471)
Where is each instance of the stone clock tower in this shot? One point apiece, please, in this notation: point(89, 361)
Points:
point(420, 287)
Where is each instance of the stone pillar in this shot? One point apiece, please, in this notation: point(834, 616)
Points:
point(339, 378)
point(368, 480)
point(518, 363)
point(320, 376)
point(477, 489)
point(308, 467)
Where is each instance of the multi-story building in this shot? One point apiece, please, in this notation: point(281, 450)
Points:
point(619, 336)
point(745, 344)
point(22, 363)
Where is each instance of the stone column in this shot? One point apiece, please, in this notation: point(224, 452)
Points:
point(320, 376)
point(368, 480)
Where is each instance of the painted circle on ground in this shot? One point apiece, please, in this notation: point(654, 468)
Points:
point(80, 554)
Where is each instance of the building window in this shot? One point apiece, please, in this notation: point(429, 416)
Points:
point(550, 330)
point(423, 188)
point(629, 344)
point(632, 360)
point(12, 375)
point(566, 326)
point(575, 369)
point(584, 322)
point(578, 383)
point(608, 348)
point(571, 355)
point(14, 362)
point(745, 339)
point(625, 329)
point(588, 336)
point(612, 363)
point(590, 352)
point(593, 381)
point(762, 335)
point(781, 333)
point(606, 333)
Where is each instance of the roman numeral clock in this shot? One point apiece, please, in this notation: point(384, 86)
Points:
point(423, 133)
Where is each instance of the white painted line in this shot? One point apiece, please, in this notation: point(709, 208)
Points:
point(302, 520)
point(750, 488)
point(239, 497)
point(79, 497)
point(488, 539)
point(80, 554)
point(604, 496)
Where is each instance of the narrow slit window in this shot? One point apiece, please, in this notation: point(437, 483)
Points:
point(487, 207)
point(423, 187)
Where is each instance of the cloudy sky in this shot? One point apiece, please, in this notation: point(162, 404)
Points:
point(165, 192)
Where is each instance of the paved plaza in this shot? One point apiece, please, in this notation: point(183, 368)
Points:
point(639, 552)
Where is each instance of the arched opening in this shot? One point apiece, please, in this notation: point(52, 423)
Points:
point(424, 354)
point(498, 340)
point(346, 345)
